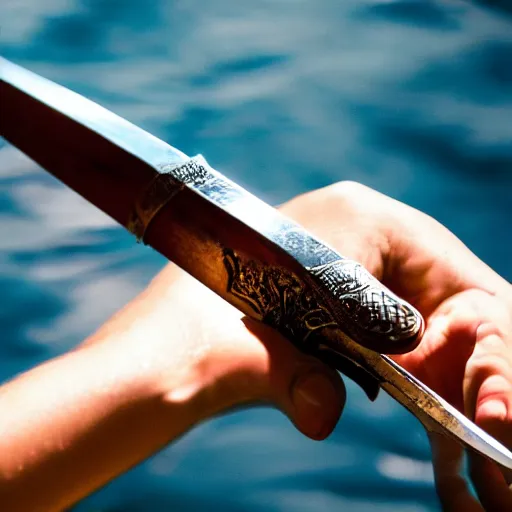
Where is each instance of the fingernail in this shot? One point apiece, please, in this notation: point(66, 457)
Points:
point(317, 403)
point(492, 409)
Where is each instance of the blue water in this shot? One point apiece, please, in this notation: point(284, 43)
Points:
point(411, 97)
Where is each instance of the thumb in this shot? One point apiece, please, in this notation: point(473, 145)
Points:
point(309, 392)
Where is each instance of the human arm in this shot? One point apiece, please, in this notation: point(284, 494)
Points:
point(158, 367)
point(162, 364)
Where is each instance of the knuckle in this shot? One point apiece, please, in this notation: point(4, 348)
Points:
point(490, 357)
point(344, 197)
point(486, 364)
point(491, 334)
point(351, 198)
point(352, 191)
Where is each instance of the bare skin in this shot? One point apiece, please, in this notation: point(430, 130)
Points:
point(161, 365)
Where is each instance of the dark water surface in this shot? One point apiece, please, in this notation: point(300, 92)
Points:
point(411, 97)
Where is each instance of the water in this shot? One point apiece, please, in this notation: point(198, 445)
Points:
point(413, 98)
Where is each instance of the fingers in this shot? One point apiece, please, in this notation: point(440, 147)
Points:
point(253, 363)
point(451, 486)
point(465, 356)
point(490, 484)
point(309, 392)
point(447, 344)
point(488, 397)
point(488, 380)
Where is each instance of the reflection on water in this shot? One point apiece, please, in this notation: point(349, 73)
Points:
point(411, 97)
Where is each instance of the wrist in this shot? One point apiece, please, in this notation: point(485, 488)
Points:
point(192, 374)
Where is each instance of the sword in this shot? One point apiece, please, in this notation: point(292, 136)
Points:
point(254, 257)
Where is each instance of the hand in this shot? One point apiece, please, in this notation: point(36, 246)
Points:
point(178, 354)
point(466, 352)
point(465, 355)
point(199, 350)
point(174, 356)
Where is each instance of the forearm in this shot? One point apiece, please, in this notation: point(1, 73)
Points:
point(151, 372)
point(74, 423)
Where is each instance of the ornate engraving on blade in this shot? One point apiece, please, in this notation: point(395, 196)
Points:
point(277, 297)
point(357, 303)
